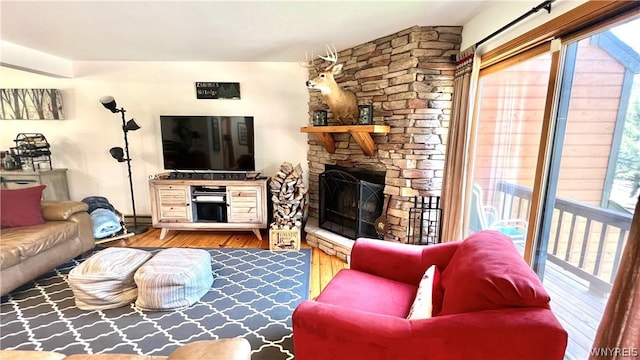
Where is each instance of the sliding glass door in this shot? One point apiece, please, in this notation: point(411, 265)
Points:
point(594, 176)
point(508, 128)
point(556, 165)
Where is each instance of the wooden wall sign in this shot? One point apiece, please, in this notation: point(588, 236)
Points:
point(217, 90)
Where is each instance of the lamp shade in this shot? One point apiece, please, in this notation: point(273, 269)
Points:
point(117, 153)
point(131, 125)
point(109, 102)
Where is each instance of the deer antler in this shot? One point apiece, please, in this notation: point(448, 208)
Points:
point(332, 56)
point(308, 63)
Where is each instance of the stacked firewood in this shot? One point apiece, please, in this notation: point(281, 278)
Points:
point(288, 197)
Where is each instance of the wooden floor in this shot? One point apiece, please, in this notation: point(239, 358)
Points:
point(323, 266)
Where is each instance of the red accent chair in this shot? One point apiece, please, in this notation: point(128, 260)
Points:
point(493, 306)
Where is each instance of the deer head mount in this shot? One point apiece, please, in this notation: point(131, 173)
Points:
point(343, 104)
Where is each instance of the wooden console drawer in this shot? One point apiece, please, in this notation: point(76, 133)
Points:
point(173, 212)
point(173, 196)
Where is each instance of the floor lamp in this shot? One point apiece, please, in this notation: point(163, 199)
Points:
point(119, 154)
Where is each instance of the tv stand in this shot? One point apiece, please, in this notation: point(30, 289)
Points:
point(208, 204)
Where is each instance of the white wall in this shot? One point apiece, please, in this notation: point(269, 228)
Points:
point(273, 93)
point(500, 13)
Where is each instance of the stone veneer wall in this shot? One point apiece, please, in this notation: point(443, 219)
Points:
point(408, 78)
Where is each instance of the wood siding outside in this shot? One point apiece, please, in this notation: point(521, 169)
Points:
point(511, 110)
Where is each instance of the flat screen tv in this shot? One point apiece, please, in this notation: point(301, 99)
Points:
point(212, 143)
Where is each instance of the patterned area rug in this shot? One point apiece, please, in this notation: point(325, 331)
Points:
point(253, 295)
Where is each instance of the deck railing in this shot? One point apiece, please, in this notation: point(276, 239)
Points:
point(585, 240)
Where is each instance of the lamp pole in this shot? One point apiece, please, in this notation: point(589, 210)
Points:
point(136, 229)
point(116, 152)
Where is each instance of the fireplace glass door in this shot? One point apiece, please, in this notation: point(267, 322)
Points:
point(350, 202)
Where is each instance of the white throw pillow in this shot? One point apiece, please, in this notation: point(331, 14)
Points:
point(428, 289)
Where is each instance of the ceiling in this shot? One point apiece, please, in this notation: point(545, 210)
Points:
point(214, 30)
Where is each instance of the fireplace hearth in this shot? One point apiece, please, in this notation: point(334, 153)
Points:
point(350, 201)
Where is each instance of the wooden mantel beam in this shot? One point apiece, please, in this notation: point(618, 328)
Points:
point(361, 134)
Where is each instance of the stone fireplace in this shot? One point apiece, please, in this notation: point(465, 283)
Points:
point(408, 78)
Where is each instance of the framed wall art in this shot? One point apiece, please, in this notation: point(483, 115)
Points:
point(242, 133)
point(31, 104)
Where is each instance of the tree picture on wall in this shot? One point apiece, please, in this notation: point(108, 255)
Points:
point(31, 104)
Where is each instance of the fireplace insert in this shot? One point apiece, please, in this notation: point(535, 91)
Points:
point(350, 201)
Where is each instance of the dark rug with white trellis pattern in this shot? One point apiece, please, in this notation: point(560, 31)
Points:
point(253, 295)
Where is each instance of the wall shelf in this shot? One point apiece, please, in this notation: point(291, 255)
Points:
point(361, 134)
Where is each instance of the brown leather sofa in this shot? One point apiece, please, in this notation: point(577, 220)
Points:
point(223, 349)
point(30, 251)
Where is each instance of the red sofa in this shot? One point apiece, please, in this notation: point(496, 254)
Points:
point(493, 306)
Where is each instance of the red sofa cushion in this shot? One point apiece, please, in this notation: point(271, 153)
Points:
point(21, 207)
point(486, 273)
point(370, 293)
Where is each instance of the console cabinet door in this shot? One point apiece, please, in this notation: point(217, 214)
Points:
point(244, 204)
point(173, 203)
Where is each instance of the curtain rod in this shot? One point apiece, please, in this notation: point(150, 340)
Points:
point(545, 5)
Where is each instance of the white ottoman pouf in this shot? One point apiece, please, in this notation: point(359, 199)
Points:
point(105, 280)
point(173, 279)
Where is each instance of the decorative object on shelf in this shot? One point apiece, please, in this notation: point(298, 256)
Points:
point(9, 163)
point(218, 90)
point(343, 104)
point(31, 151)
point(119, 154)
point(31, 104)
point(366, 115)
point(320, 118)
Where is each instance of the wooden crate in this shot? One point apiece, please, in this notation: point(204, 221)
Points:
point(284, 239)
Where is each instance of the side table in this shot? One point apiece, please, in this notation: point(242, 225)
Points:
point(55, 180)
